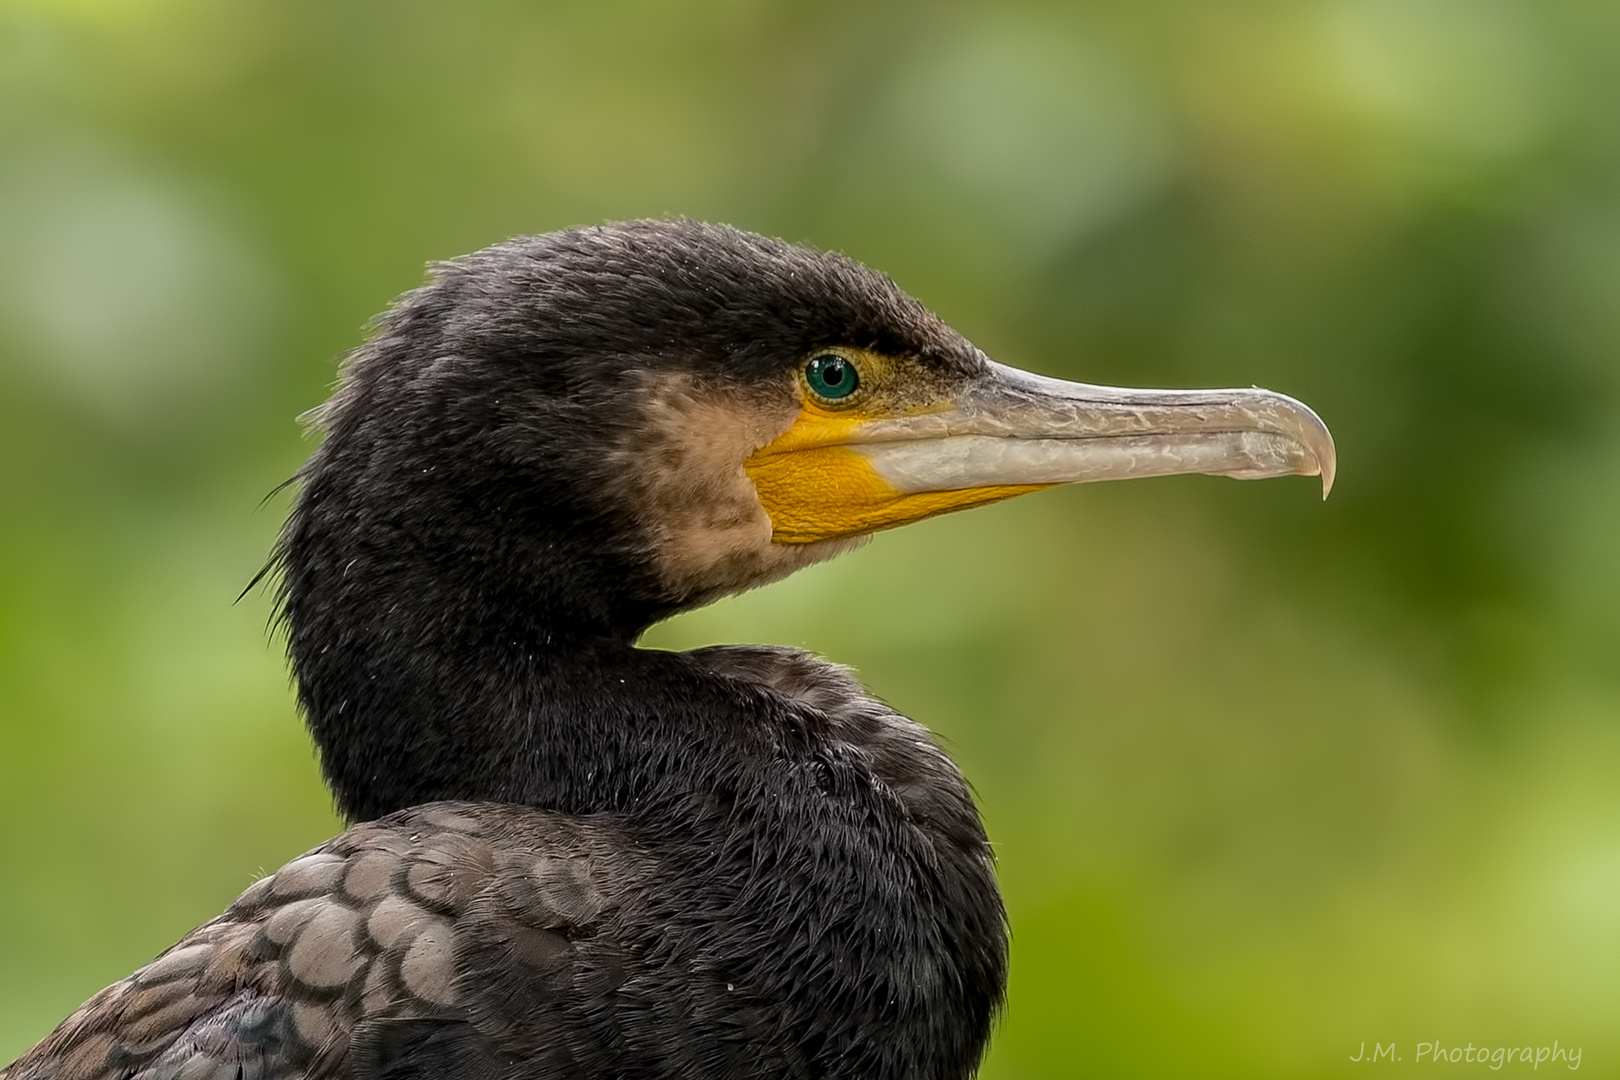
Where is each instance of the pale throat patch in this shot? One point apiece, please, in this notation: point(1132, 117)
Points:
point(682, 476)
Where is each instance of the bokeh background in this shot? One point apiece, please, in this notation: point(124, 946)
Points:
point(1269, 779)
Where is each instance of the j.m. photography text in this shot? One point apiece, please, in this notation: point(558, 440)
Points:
point(1492, 1057)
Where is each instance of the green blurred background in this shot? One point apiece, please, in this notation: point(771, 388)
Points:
point(1268, 778)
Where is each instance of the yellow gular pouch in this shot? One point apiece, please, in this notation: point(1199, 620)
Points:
point(816, 485)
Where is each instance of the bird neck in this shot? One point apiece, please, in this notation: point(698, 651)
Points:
point(468, 655)
point(417, 702)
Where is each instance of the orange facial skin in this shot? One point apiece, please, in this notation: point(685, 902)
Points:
point(815, 485)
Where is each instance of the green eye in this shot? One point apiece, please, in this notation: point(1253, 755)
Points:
point(831, 377)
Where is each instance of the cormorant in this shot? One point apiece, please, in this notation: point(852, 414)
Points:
point(582, 859)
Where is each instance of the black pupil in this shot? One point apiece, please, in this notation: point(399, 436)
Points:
point(832, 372)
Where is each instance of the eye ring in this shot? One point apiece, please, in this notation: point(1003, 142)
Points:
point(831, 377)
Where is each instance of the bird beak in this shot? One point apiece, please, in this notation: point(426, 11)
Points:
point(1007, 432)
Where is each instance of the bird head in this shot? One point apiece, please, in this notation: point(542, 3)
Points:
point(627, 420)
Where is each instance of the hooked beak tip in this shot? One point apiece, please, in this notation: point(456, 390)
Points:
point(1326, 455)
